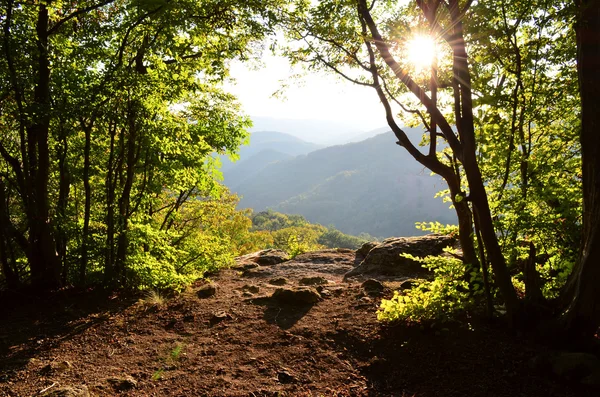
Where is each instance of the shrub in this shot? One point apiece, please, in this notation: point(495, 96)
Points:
point(442, 298)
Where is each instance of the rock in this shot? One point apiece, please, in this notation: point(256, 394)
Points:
point(592, 379)
point(122, 383)
point(206, 291)
point(363, 251)
point(253, 289)
point(219, 316)
point(297, 296)
point(278, 281)
point(313, 281)
point(385, 259)
point(246, 266)
point(68, 391)
point(575, 366)
point(57, 367)
point(335, 256)
point(267, 257)
point(407, 284)
point(284, 376)
point(373, 287)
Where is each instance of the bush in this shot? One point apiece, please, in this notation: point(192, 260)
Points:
point(442, 299)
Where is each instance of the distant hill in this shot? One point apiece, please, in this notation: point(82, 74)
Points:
point(265, 147)
point(372, 186)
point(324, 132)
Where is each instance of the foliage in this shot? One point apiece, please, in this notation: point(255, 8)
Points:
point(442, 298)
point(333, 238)
point(110, 113)
point(295, 235)
point(500, 106)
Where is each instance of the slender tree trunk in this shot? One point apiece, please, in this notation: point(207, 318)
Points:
point(87, 205)
point(43, 261)
point(12, 279)
point(478, 195)
point(125, 200)
point(110, 211)
point(61, 208)
point(582, 315)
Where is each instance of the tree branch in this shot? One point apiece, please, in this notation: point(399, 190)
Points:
point(75, 14)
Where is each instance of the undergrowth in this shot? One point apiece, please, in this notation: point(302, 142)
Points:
point(441, 299)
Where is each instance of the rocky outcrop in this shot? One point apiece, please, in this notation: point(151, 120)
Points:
point(384, 259)
point(268, 257)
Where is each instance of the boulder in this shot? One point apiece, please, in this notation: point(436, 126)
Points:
point(363, 251)
point(297, 296)
point(268, 257)
point(385, 260)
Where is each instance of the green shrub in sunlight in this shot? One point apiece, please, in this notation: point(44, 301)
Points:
point(297, 240)
point(439, 299)
point(438, 228)
point(202, 235)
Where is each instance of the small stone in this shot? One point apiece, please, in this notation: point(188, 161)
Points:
point(68, 391)
point(278, 281)
point(284, 376)
point(313, 281)
point(253, 289)
point(407, 284)
point(365, 299)
point(122, 383)
point(592, 379)
point(373, 287)
point(206, 291)
point(57, 367)
point(575, 366)
point(219, 316)
point(299, 296)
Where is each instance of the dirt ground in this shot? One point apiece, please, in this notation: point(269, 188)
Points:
point(240, 342)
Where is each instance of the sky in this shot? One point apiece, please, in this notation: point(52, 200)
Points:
point(316, 96)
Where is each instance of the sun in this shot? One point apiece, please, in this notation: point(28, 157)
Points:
point(421, 52)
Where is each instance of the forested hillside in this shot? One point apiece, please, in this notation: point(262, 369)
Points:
point(370, 187)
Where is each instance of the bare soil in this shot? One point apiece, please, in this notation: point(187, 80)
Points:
point(240, 342)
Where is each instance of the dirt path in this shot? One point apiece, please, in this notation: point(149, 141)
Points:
point(239, 342)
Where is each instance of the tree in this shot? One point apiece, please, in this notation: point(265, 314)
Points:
point(582, 315)
point(94, 147)
point(512, 129)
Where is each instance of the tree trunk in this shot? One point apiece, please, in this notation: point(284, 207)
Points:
point(109, 256)
point(125, 200)
point(43, 261)
point(478, 195)
point(582, 315)
point(87, 205)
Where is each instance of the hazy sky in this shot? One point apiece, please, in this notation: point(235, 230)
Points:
point(316, 96)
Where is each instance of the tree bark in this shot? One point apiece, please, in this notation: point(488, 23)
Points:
point(43, 260)
point(87, 205)
point(582, 315)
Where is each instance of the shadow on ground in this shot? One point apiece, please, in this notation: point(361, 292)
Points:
point(30, 324)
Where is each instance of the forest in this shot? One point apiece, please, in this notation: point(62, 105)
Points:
point(113, 114)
